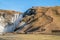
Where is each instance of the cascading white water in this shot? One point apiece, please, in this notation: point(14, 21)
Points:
point(5, 27)
point(2, 25)
point(10, 28)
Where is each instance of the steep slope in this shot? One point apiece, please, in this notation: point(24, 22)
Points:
point(41, 20)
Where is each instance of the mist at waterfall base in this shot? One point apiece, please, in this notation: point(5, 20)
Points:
point(10, 28)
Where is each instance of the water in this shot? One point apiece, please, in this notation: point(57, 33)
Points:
point(10, 28)
point(2, 25)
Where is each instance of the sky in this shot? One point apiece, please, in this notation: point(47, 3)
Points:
point(23, 5)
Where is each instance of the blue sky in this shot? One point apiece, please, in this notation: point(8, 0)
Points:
point(23, 5)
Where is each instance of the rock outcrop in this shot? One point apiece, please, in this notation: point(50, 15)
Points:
point(41, 20)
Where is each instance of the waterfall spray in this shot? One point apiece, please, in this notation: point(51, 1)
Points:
point(10, 28)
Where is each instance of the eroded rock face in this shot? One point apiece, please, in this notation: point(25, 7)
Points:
point(35, 20)
point(41, 20)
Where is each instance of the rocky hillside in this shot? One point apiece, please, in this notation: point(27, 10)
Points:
point(41, 20)
point(35, 20)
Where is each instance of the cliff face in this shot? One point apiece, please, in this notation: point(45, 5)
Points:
point(34, 20)
point(41, 20)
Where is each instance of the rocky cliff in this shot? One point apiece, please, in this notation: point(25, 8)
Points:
point(35, 20)
point(41, 20)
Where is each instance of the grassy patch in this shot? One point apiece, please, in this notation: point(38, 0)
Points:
point(30, 37)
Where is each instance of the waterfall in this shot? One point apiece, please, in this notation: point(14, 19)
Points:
point(10, 28)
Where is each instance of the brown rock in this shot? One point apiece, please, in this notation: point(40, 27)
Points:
point(45, 20)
